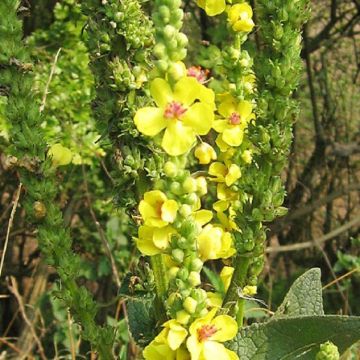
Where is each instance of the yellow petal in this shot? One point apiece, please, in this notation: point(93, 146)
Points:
point(145, 241)
point(60, 155)
point(150, 120)
point(154, 197)
point(202, 217)
point(214, 7)
point(146, 210)
point(206, 96)
point(219, 170)
point(233, 136)
point(227, 107)
point(199, 117)
point(161, 237)
point(234, 173)
point(221, 205)
point(232, 355)
point(178, 139)
point(226, 276)
point(227, 328)
point(223, 146)
point(220, 125)
point(213, 350)
point(194, 347)
point(245, 25)
point(169, 210)
point(205, 153)
point(156, 351)
point(244, 109)
point(176, 336)
point(161, 92)
point(186, 90)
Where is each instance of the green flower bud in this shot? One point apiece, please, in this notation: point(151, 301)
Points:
point(169, 32)
point(170, 169)
point(328, 351)
point(183, 274)
point(196, 265)
point(185, 210)
point(194, 278)
point(176, 188)
point(178, 255)
point(183, 317)
point(190, 185)
point(173, 272)
point(190, 305)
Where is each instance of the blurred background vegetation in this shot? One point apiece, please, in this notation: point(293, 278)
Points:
point(321, 228)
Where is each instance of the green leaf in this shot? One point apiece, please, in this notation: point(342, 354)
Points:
point(295, 337)
point(304, 297)
point(142, 323)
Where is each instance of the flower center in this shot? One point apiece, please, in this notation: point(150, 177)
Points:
point(198, 73)
point(174, 110)
point(234, 119)
point(158, 208)
point(205, 332)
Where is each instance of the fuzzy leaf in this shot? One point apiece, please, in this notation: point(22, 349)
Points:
point(142, 322)
point(295, 337)
point(304, 297)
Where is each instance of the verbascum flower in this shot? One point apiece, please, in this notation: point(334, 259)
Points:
point(207, 335)
point(240, 17)
point(226, 196)
point(177, 113)
point(212, 7)
point(227, 173)
point(205, 153)
point(214, 243)
point(167, 345)
point(60, 155)
point(152, 241)
point(157, 210)
point(236, 117)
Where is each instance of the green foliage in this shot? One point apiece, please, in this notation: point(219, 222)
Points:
point(298, 328)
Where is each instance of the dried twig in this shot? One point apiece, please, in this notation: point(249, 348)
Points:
point(11, 220)
point(14, 289)
point(341, 278)
point(317, 242)
point(10, 345)
point(43, 101)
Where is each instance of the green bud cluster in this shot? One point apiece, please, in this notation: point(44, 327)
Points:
point(38, 178)
point(170, 42)
point(328, 351)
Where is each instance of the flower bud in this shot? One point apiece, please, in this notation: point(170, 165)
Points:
point(247, 156)
point(205, 153)
point(173, 272)
point(196, 265)
point(60, 155)
point(170, 169)
point(176, 188)
point(194, 278)
point(189, 185)
point(182, 317)
point(249, 290)
point(190, 305)
point(178, 255)
point(185, 210)
point(201, 186)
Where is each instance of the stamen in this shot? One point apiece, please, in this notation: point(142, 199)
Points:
point(206, 332)
point(174, 110)
point(235, 118)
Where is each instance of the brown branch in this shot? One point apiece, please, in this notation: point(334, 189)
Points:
point(14, 289)
point(11, 220)
point(316, 242)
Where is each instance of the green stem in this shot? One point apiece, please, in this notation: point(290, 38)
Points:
point(161, 285)
point(231, 300)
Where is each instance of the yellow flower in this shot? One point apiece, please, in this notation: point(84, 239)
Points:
point(225, 196)
point(212, 7)
point(177, 113)
point(227, 173)
point(167, 345)
point(207, 334)
point(152, 240)
point(157, 210)
point(226, 276)
point(214, 243)
point(240, 17)
point(249, 290)
point(205, 153)
point(60, 155)
point(236, 118)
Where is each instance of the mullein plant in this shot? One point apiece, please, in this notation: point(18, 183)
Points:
point(37, 166)
point(197, 166)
